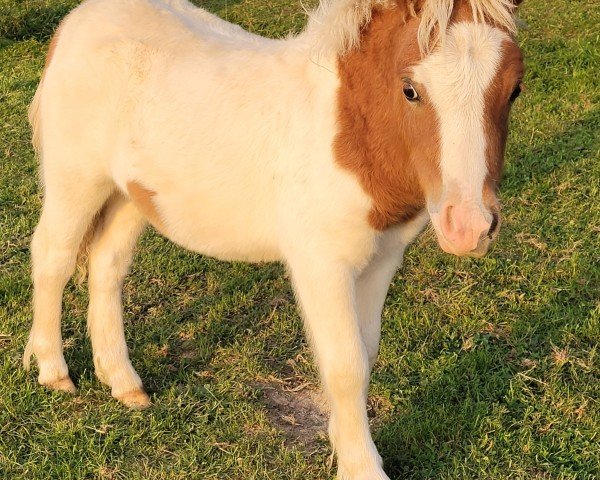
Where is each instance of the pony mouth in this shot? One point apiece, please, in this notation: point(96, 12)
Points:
point(478, 252)
point(483, 246)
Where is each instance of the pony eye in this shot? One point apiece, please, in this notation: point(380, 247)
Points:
point(409, 92)
point(516, 92)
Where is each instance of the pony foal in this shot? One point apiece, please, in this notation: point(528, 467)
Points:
point(329, 151)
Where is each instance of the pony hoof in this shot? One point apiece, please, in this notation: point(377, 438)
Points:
point(62, 385)
point(134, 399)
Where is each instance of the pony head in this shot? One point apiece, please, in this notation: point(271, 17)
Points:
point(430, 128)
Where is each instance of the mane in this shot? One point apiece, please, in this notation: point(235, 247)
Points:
point(336, 25)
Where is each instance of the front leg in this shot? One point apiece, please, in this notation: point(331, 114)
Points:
point(374, 280)
point(372, 286)
point(325, 290)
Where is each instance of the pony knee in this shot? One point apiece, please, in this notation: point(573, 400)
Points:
point(346, 373)
point(110, 256)
point(107, 268)
point(51, 262)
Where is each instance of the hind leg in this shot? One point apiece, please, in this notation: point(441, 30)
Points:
point(110, 256)
point(69, 208)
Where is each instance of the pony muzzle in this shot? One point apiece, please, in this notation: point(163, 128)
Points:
point(465, 229)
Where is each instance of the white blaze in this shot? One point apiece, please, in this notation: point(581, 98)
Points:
point(456, 77)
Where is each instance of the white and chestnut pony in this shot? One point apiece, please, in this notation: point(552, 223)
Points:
point(329, 151)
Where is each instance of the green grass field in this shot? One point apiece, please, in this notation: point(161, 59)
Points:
point(489, 369)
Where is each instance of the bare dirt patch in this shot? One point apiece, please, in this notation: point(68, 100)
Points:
point(299, 411)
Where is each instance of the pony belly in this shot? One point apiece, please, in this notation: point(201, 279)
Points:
point(224, 245)
point(218, 227)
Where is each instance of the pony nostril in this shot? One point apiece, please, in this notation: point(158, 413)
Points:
point(493, 226)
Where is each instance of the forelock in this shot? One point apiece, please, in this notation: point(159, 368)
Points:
point(436, 15)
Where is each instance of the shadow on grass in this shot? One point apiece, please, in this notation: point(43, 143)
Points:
point(176, 346)
point(444, 415)
point(576, 141)
point(165, 357)
point(449, 416)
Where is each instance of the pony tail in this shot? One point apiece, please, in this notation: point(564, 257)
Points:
point(83, 254)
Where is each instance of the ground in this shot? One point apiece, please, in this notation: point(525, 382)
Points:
point(489, 369)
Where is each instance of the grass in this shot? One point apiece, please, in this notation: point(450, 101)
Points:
point(488, 369)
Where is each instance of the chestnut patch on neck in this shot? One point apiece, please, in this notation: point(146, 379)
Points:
point(378, 140)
